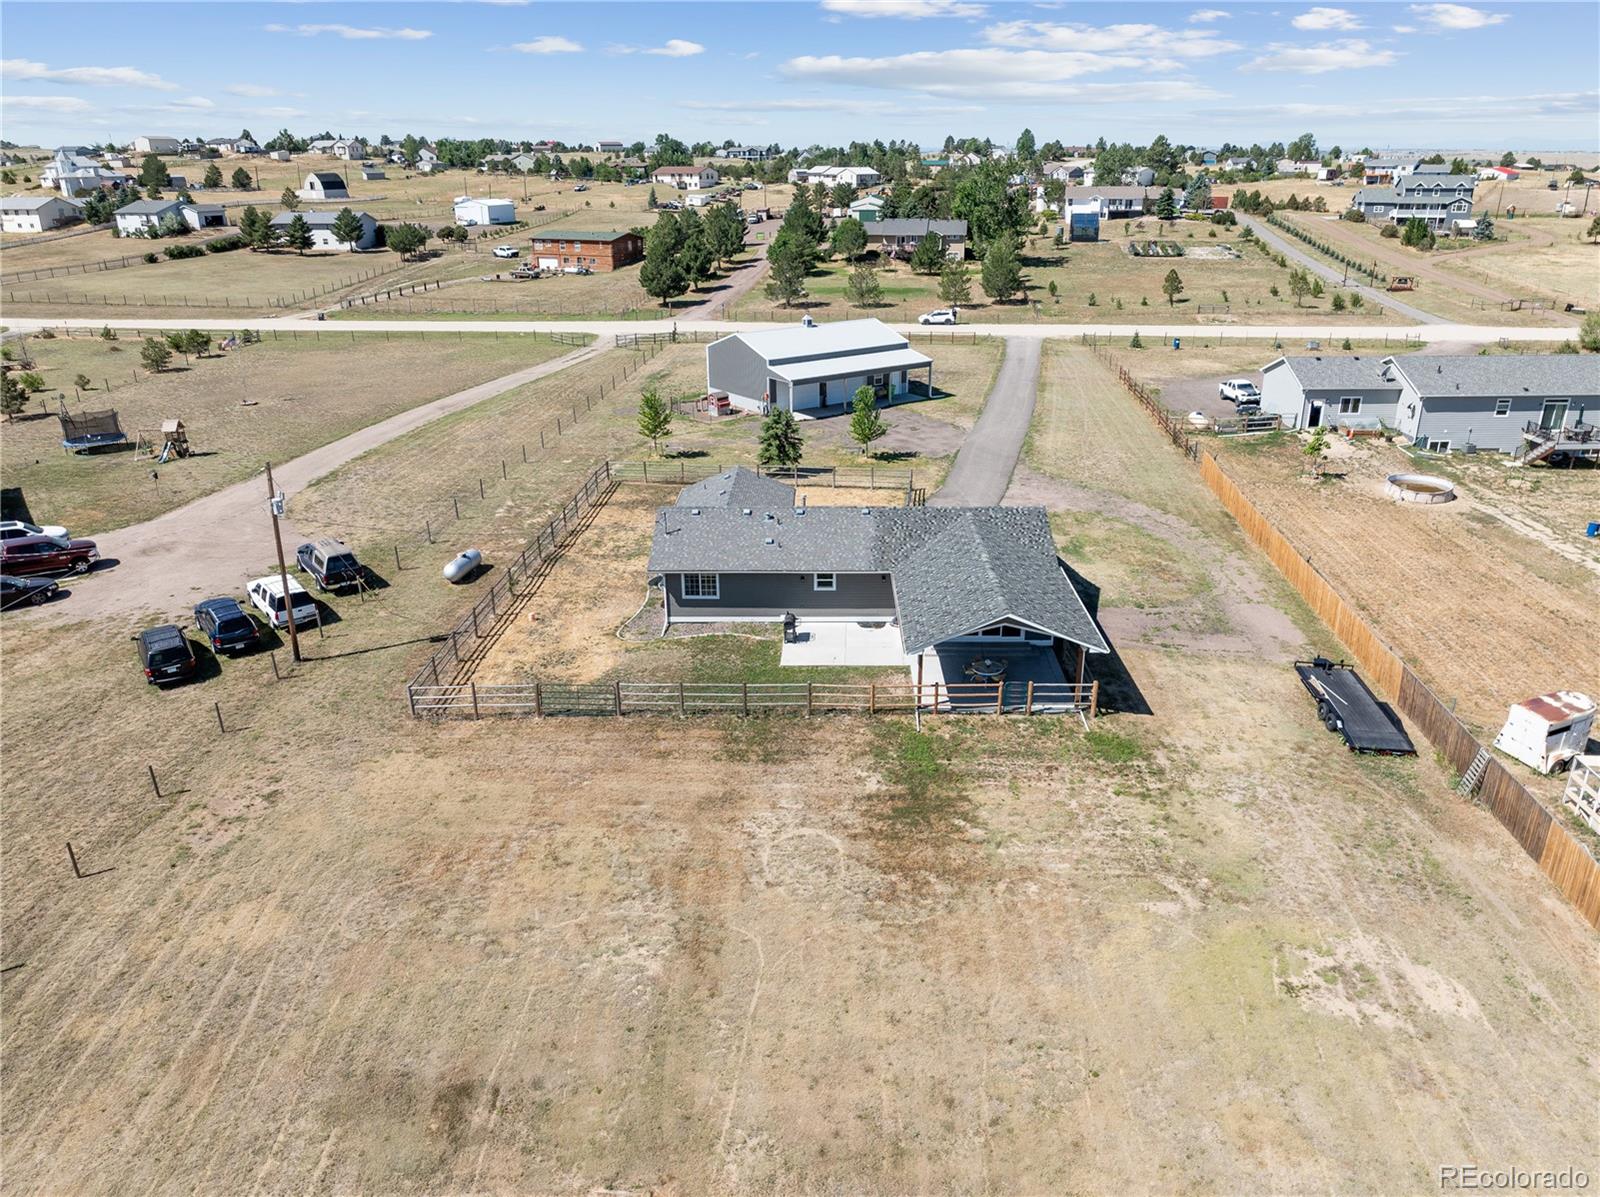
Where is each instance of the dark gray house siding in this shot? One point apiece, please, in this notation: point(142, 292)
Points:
point(758, 596)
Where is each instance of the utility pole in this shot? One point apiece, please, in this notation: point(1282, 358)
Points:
point(275, 506)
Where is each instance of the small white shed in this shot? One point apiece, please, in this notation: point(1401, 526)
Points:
point(1547, 732)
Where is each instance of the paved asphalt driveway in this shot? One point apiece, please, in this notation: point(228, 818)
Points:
point(982, 471)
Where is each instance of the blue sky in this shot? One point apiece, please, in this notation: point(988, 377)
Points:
point(1504, 74)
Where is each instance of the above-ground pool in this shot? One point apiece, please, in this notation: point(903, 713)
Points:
point(1419, 488)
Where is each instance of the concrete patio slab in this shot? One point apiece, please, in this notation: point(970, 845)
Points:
point(828, 642)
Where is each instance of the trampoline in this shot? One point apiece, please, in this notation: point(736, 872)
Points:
point(90, 430)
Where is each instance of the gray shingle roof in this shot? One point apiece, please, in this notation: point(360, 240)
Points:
point(955, 569)
point(317, 220)
point(1558, 375)
point(148, 207)
point(916, 227)
point(1332, 373)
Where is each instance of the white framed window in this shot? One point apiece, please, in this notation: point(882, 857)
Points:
point(1502, 407)
point(1349, 405)
point(1438, 446)
point(702, 586)
point(824, 581)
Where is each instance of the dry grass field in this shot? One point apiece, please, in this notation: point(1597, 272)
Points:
point(1200, 949)
point(1505, 568)
point(454, 452)
point(1125, 289)
point(258, 403)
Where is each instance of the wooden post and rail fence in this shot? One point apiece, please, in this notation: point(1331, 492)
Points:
point(1559, 855)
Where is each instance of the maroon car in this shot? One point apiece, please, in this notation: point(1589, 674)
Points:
point(47, 555)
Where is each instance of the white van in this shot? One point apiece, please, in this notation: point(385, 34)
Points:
point(266, 596)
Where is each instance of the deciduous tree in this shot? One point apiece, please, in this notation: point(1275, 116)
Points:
point(655, 417)
point(1172, 287)
point(866, 425)
point(863, 287)
point(849, 238)
point(289, 200)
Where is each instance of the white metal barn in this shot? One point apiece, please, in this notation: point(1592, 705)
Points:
point(470, 211)
point(810, 366)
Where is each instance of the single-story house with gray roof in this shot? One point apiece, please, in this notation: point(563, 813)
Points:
point(37, 213)
point(322, 229)
point(1310, 392)
point(808, 367)
point(901, 235)
point(952, 582)
point(1448, 402)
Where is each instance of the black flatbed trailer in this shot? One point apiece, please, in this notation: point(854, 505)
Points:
point(1345, 705)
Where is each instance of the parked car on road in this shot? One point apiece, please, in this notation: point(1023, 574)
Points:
point(330, 563)
point(524, 273)
point(47, 555)
point(266, 596)
point(227, 626)
point(942, 316)
point(1240, 391)
point(507, 251)
point(14, 592)
point(576, 270)
point(12, 529)
point(166, 654)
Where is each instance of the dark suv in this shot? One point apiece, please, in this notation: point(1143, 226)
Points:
point(166, 654)
point(224, 623)
point(330, 563)
point(47, 555)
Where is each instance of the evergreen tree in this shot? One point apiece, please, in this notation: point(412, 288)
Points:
point(695, 255)
point(655, 417)
point(866, 425)
point(849, 238)
point(153, 172)
point(789, 260)
point(298, 235)
point(1025, 145)
point(928, 257)
point(289, 200)
point(955, 284)
point(1484, 229)
point(1167, 205)
point(347, 228)
point(653, 202)
point(802, 220)
point(863, 287)
point(213, 176)
point(724, 232)
point(242, 180)
point(1171, 287)
point(1197, 198)
point(661, 276)
point(1001, 273)
point(155, 356)
point(781, 444)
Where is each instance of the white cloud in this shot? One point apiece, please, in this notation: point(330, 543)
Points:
point(677, 47)
point(1404, 28)
point(905, 10)
point(1457, 16)
point(1345, 55)
point(354, 33)
point(1037, 76)
point(48, 103)
point(548, 45)
point(1451, 109)
point(193, 104)
point(22, 68)
point(824, 104)
point(1327, 18)
point(1148, 42)
point(1206, 15)
point(253, 90)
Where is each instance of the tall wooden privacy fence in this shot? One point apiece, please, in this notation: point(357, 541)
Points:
point(1543, 837)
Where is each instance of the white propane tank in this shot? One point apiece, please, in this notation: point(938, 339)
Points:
point(463, 566)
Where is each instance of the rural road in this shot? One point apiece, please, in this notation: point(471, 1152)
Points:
point(1474, 334)
point(1329, 274)
point(983, 466)
point(216, 543)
